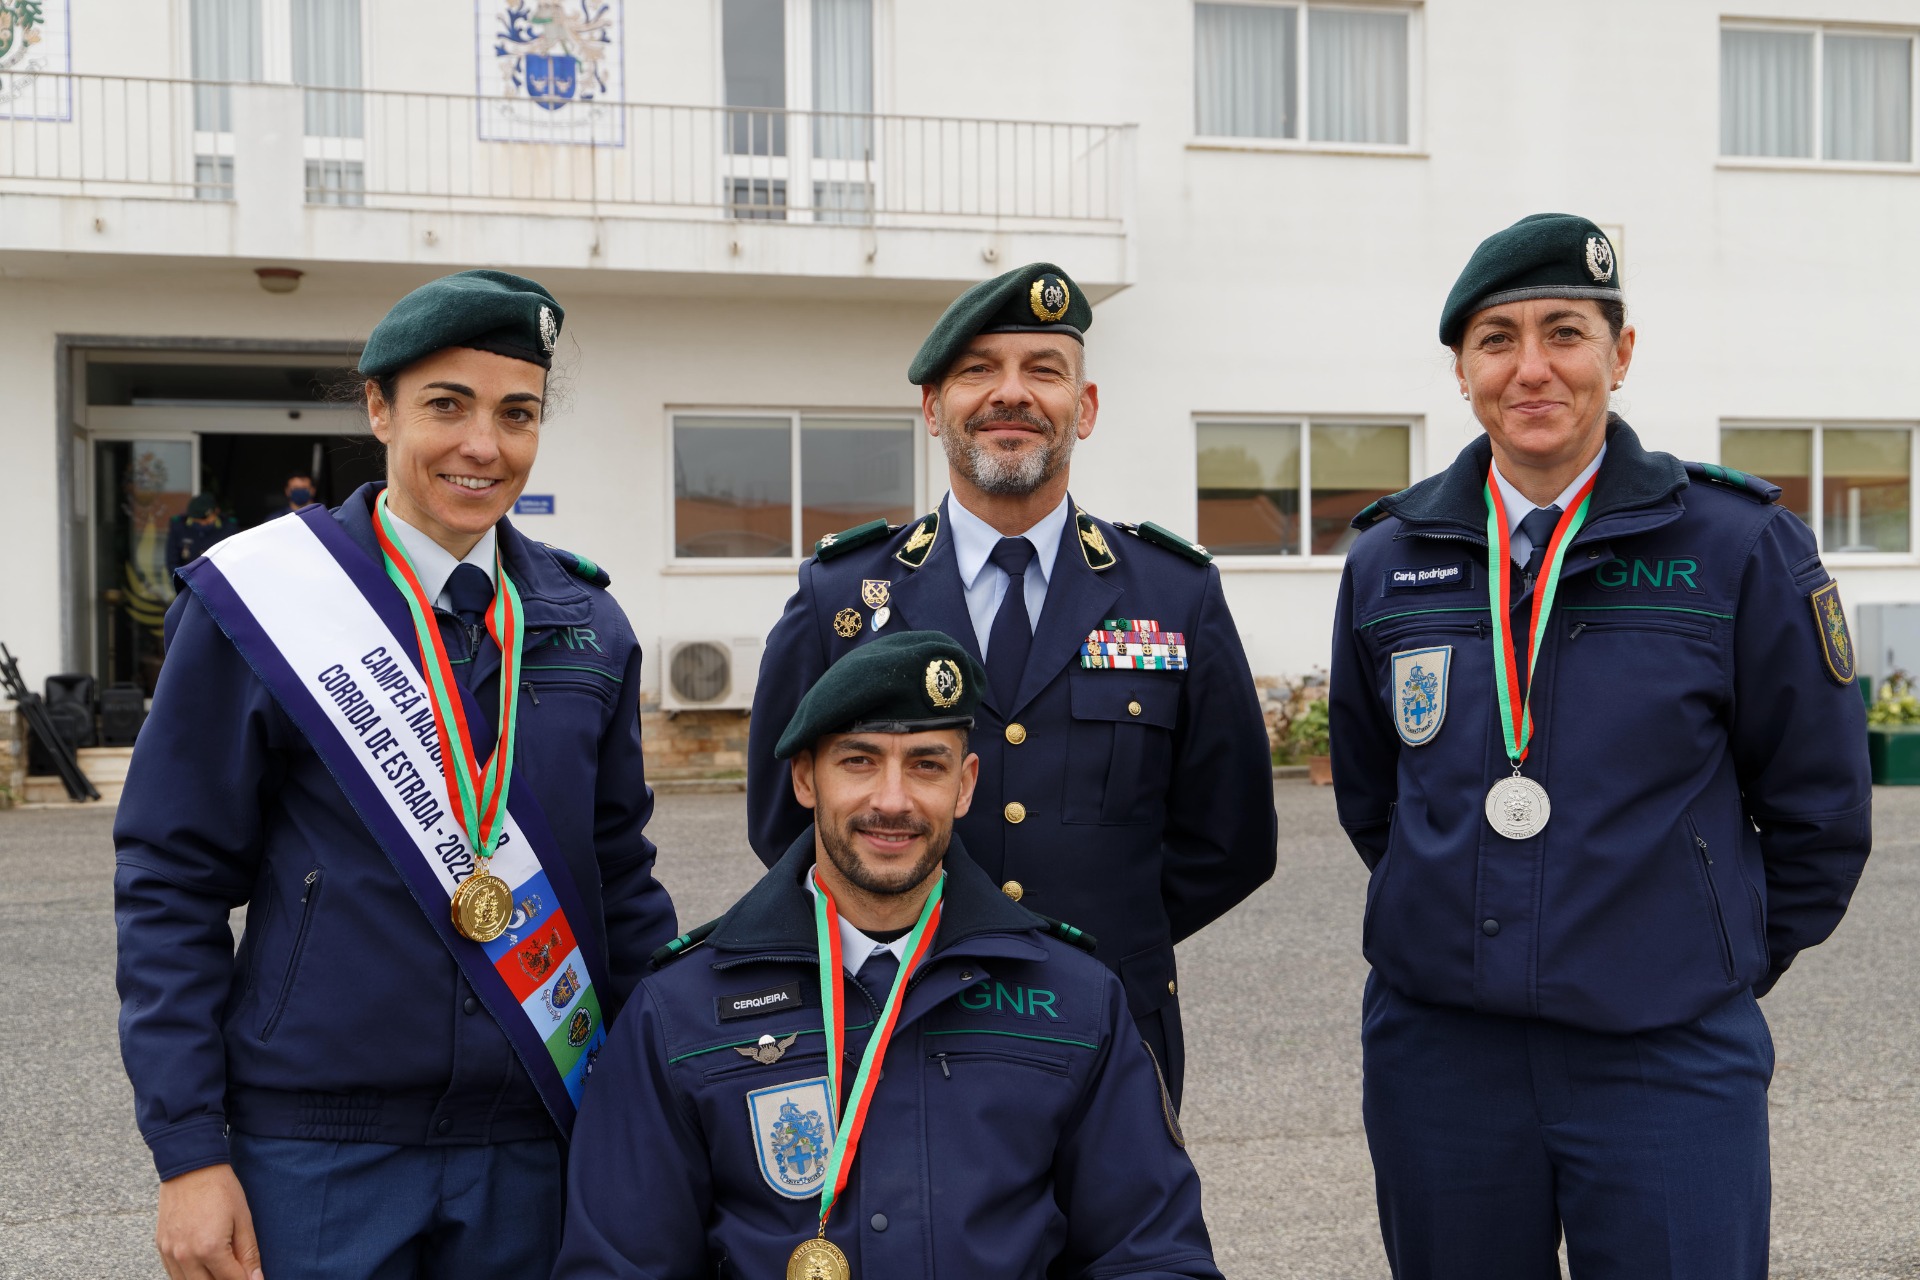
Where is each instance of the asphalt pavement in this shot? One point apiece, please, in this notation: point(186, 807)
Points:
point(1272, 1001)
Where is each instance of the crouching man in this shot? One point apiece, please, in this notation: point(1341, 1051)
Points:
point(875, 1059)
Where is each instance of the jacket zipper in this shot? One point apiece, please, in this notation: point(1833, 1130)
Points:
point(528, 686)
point(1713, 894)
point(308, 896)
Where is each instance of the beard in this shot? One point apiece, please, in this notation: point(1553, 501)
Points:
point(1008, 470)
point(837, 839)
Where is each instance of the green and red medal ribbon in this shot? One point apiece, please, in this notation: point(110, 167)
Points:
point(1516, 704)
point(851, 1118)
point(478, 795)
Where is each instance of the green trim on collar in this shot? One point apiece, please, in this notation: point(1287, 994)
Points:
point(926, 531)
point(1093, 543)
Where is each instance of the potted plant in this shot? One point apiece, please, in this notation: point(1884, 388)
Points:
point(1893, 731)
point(1308, 736)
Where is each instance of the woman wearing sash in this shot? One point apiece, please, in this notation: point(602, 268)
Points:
point(406, 738)
point(1596, 737)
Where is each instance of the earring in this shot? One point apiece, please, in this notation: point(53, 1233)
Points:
point(1466, 395)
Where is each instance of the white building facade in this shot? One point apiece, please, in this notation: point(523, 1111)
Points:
point(753, 210)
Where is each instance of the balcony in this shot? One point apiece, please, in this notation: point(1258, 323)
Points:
point(177, 168)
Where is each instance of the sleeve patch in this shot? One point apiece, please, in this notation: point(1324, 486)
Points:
point(1836, 643)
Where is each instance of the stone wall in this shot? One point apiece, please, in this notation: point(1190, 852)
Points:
point(13, 756)
point(693, 744)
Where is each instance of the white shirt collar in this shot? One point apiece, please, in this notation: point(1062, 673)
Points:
point(856, 948)
point(1519, 506)
point(974, 539)
point(433, 564)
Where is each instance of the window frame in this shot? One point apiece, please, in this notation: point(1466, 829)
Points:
point(1415, 144)
point(675, 563)
point(1267, 562)
point(1816, 482)
point(1817, 122)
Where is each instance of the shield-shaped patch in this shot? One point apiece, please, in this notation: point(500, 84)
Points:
point(1836, 644)
point(792, 1133)
point(1420, 692)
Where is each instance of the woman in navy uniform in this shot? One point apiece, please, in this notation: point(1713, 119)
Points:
point(1002, 1121)
point(347, 1096)
point(1125, 778)
point(1596, 737)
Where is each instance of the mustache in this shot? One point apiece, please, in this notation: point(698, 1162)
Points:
point(885, 825)
point(993, 417)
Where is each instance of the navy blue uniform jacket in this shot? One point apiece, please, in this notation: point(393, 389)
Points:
point(1708, 773)
point(1148, 794)
point(1018, 1131)
point(343, 1016)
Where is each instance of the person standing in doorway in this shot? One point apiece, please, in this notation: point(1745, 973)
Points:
point(1125, 778)
point(300, 494)
point(1596, 737)
point(439, 838)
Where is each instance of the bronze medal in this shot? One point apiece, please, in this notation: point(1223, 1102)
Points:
point(482, 905)
point(818, 1259)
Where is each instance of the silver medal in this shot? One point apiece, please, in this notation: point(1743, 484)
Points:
point(880, 616)
point(1518, 808)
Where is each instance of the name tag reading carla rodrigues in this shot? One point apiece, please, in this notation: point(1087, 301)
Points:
point(1429, 577)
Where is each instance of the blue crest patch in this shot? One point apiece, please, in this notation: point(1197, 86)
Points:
point(1420, 692)
point(1836, 643)
point(792, 1133)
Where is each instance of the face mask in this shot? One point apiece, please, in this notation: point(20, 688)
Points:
point(299, 495)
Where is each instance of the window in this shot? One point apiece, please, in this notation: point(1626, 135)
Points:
point(734, 480)
point(1252, 499)
point(1251, 62)
point(1816, 93)
point(808, 56)
point(1852, 484)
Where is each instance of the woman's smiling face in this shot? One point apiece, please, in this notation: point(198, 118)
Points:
point(461, 433)
point(1539, 373)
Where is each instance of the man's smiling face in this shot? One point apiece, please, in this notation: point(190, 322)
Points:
point(1010, 409)
point(461, 433)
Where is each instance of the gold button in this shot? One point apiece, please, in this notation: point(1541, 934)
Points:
point(1173, 988)
point(1014, 889)
point(1016, 734)
point(1133, 708)
point(1016, 812)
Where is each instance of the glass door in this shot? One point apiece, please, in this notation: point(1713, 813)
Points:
point(141, 488)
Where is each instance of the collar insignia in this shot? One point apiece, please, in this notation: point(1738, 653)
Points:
point(920, 545)
point(1093, 543)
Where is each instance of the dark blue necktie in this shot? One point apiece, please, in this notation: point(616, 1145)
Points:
point(878, 973)
point(470, 590)
point(1012, 635)
point(1538, 524)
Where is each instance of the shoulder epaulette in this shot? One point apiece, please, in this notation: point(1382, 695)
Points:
point(1372, 512)
point(1739, 481)
point(579, 566)
point(926, 530)
point(1093, 543)
point(681, 945)
point(838, 544)
point(1159, 536)
point(1067, 933)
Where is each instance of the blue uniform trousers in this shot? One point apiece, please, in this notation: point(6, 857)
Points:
point(1490, 1134)
point(373, 1211)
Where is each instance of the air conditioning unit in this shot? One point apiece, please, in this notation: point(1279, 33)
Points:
point(708, 673)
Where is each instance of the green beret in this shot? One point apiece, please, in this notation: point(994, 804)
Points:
point(1544, 255)
point(493, 311)
point(1036, 298)
point(907, 682)
point(201, 505)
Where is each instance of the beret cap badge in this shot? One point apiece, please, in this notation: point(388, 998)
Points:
point(944, 685)
point(549, 329)
point(1049, 298)
point(1599, 258)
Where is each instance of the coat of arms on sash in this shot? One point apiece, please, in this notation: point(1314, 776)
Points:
point(34, 57)
point(792, 1132)
point(552, 71)
point(1420, 692)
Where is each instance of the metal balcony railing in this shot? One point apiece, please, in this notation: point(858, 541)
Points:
point(179, 139)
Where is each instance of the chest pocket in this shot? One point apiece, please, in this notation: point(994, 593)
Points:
point(1119, 745)
point(547, 680)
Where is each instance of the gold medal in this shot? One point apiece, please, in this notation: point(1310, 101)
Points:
point(482, 905)
point(818, 1259)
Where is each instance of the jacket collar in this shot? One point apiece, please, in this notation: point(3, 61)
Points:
point(776, 915)
point(551, 596)
point(1641, 486)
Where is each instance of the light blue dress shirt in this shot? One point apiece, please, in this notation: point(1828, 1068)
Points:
point(433, 564)
point(985, 582)
point(1519, 508)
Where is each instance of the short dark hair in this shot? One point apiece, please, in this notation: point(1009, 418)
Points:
point(1612, 310)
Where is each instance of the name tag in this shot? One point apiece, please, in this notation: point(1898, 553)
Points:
point(1432, 577)
point(749, 1004)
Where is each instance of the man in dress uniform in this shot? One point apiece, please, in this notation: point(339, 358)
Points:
point(875, 1064)
point(1125, 779)
point(1596, 737)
